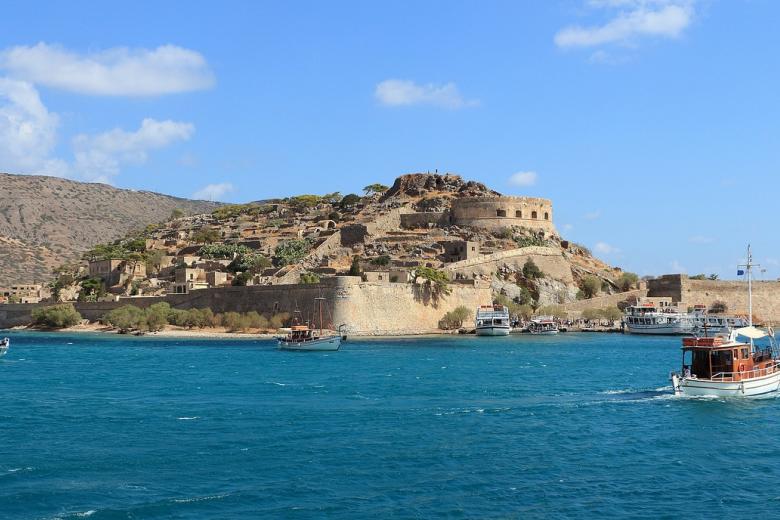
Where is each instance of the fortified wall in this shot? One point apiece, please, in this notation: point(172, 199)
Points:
point(550, 260)
point(766, 295)
point(367, 308)
point(494, 213)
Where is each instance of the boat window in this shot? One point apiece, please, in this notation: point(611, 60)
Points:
point(736, 353)
point(745, 353)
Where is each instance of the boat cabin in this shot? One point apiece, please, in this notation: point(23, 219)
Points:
point(300, 333)
point(714, 359)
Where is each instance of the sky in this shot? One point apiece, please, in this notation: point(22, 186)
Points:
point(653, 125)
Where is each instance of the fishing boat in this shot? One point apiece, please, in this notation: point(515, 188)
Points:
point(729, 367)
point(647, 318)
point(492, 320)
point(543, 325)
point(5, 343)
point(302, 337)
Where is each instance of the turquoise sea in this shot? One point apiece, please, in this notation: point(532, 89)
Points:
point(574, 426)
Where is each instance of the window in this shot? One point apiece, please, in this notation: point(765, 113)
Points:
point(518, 214)
point(546, 216)
point(501, 213)
point(534, 215)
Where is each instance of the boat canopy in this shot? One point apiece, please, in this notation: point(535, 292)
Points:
point(751, 332)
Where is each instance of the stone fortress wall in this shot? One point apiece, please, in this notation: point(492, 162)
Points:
point(499, 212)
point(367, 308)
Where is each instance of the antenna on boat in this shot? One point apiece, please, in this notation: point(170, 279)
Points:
point(749, 272)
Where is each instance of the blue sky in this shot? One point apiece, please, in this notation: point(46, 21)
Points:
point(652, 124)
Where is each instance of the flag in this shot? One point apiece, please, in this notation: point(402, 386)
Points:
point(740, 272)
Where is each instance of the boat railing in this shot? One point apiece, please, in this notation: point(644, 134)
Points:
point(747, 374)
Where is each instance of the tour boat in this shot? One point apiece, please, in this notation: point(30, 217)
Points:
point(543, 325)
point(492, 320)
point(649, 319)
point(304, 338)
point(5, 343)
point(714, 367)
point(707, 323)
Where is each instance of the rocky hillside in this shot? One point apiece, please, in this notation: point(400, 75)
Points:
point(48, 221)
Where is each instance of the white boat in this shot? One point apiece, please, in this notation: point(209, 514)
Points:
point(715, 367)
point(543, 325)
point(492, 320)
point(705, 323)
point(649, 319)
point(304, 338)
point(5, 343)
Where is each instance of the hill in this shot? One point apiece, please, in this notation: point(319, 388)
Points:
point(48, 221)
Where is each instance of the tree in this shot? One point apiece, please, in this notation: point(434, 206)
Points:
point(627, 281)
point(531, 270)
point(304, 202)
point(713, 277)
point(559, 311)
point(612, 313)
point(433, 278)
point(454, 319)
point(91, 289)
point(157, 316)
point(700, 276)
point(525, 311)
point(591, 314)
point(349, 201)
point(56, 316)
point(241, 279)
point(205, 235)
point(590, 286)
point(125, 318)
point(176, 213)
point(376, 188)
point(354, 268)
point(381, 260)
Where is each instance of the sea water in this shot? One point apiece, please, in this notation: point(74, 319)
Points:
point(578, 425)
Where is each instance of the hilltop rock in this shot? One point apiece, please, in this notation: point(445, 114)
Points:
point(422, 184)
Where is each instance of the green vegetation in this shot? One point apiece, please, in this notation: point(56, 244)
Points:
point(349, 201)
point(291, 252)
point(222, 251)
point(608, 313)
point(374, 189)
point(249, 262)
point(718, 306)
point(119, 249)
point(304, 202)
point(232, 211)
point(56, 316)
point(354, 268)
point(433, 278)
point(455, 318)
point(702, 276)
point(130, 318)
point(383, 260)
point(205, 235)
point(529, 241)
point(126, 318)
point(531, 271)
point(91, 289)
point(590, 285)
point(176, 213)
point(627, 281)
point(309, 278)
point(559, 311)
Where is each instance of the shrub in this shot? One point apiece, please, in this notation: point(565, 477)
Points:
point(718, 306)
point(612, 313)
point(627, 281)
point(354, 268)
point(531, 270)
point(125, 318)
point(56, 316)
point(455, 318)
point(157, 316)
point(232, 321)
point(381, 260)
point(590, 286)
point(309, 278)
point(292, 251)
point(279, 320)
point(205, 235)
point(591, 314)
point(435, 279)
point(256, 320)
point(559, 311)
point(349, 200)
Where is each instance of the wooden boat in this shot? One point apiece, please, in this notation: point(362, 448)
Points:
point(5, 344)
point(718, 367)
point(543, 325)
point(304, 338)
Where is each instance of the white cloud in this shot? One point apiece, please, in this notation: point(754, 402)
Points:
point(28, 131)
point(593, 215)
point(398, 92)
point(523, 179)
point(605, 249)
point(117, 71)
point(637, 18)
point(676, 267)
point(99, 157)
point(568, 227)
point(213, 191)
point(700, 239)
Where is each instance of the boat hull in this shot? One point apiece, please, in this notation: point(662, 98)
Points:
point(544, 332)
point(758, 386)
point(326, 344)
point(670, 330)
point(493, 331)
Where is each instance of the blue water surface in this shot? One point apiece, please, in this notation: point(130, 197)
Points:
point(578, 425)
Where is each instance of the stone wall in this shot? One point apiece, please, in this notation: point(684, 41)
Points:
point(499, 212)
point(604, 301)
point(366, 308)
point(550, 260)
point(766, 295)
point(424, 219)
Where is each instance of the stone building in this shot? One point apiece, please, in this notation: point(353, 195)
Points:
point(457, 250)
point(499, 212)
point(29, 293)
point(116, 271)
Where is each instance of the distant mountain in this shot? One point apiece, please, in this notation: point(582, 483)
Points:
point(47, 221)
